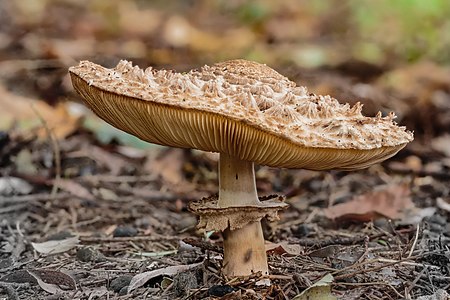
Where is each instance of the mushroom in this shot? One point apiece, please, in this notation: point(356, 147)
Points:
point(248, 113)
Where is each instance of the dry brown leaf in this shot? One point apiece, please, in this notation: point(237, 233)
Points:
point(283, 248)
point(388, 202)
point(74, 188)
point(169, 166)
point(327, 251)
point(26, 114)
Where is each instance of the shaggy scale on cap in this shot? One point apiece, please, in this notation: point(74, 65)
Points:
point(242, 108)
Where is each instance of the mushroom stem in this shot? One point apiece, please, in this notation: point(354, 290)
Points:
point(244, 250)
point(237, 186)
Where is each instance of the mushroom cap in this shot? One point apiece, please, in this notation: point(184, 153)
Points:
point(242, 108)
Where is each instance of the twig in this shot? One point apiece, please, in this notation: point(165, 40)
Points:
point(408, 263)
point(91, 239)
point(370, 269)
point(337, 240)
point(415, 241)
point(371, 284)
point(11, 208)
point(82, 223)
point(280, 277)
point(203, 245)
point(154, 254)
point(115, 179)
point(196, 291)
point(414, 282)
point(33, 197)
point(366, 250)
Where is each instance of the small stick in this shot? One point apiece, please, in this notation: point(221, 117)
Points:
point(407, 263)
point(415, 241)
point(90, 239)
point(337, 240)
point(371, 269)
point(203, 245)
point(371, 283)
point(33, 197)
point(413, 284)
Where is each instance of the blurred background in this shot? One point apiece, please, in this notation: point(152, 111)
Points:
point(388, 54)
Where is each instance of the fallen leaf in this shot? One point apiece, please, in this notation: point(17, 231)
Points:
point(283, 248)
point(51, 280)
point(321, 290)
point(48, 280)
point(74, 188)
point(140, 279)
point(387, 202)
point(14, 186)
point(327, 251)
point(131, 152)
point(49, 288)
point(26, 113)
point(107, 194)
point(168, 165)
point(56, 246)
